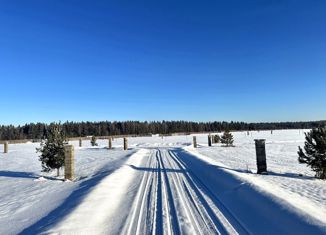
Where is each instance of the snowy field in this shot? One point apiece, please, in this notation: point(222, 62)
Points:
point(163, 185)
point(27, 194)
point(287, 178)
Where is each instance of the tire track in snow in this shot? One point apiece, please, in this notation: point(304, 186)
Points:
point(222, 212)
point(199, 218)
point(184, 200)
point(172, 218)
point(172, 200)
point(135, 222)
point(153, 217)
point(158, 220)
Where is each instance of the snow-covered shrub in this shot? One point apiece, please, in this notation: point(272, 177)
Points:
point(93, 141)
point(216, 139)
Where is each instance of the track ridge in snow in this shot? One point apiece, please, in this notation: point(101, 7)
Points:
point(221, 211)
point(171, 200)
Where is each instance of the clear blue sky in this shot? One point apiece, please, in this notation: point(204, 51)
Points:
point(253, 60)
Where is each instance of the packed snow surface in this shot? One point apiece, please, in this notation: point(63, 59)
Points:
point(162, 185)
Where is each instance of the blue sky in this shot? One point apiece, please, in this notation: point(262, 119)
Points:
point(255, 60)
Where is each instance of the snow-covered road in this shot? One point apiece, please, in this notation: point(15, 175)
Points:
point(171, 200)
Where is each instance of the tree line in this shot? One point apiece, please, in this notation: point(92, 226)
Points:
point(106, 128)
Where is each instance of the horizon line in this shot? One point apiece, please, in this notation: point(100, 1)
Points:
point(170, 120)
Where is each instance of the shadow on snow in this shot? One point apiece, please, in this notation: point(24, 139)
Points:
point(74, 199)
point(255, 211)
point(19, 174)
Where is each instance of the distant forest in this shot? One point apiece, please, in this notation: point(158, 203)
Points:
point(82, 129)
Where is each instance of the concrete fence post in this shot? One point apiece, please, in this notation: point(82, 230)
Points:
point(261, 156)
point(194, 141)
point(125, 143)
point(209, 141)
point(80, 142)
point(5, 147)
point(110, 143)
point(69, 162)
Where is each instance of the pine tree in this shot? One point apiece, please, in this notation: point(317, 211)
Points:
point(52, 148)
point(227, 138)
point(315, 152)
point(217, 139)
point(93, 141)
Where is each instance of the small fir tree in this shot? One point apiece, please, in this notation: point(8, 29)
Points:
point(315, 152)
point(227, 138)
point(217, 139)
point(93, 141)
point(52, 148)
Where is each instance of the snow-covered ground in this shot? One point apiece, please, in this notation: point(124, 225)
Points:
point(287, 178)
point(163, 185)
point(27, 194)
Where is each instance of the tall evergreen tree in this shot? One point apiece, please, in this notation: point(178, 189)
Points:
point(52, 148)
point(315, 152)
point(227, 138)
